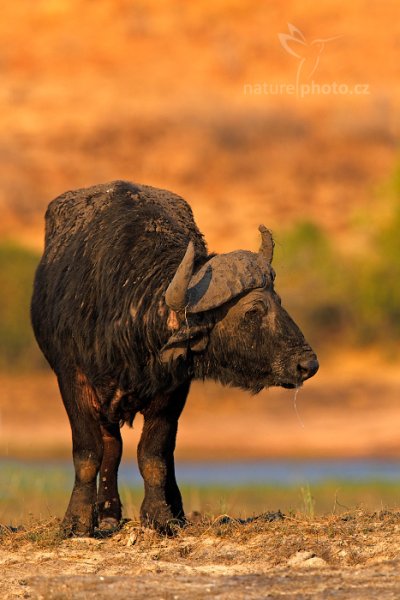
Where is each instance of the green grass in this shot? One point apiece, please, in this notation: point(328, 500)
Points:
point(33, 493)
point(346, 297)
point(18, 349)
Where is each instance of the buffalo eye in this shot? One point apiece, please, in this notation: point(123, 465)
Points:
point(254, 316)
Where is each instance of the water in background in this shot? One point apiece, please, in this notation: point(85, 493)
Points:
point(285, 472)
point(229, 474)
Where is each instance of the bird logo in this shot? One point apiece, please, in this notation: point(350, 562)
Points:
point(308, 54)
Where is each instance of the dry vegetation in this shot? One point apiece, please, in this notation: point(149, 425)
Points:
point(354, 555)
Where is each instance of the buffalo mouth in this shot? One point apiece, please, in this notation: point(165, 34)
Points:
point(289, 386)
point(286, 384)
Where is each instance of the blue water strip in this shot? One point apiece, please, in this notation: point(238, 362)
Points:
point(234, 473)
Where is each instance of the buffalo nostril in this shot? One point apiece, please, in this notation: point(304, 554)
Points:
point(307, 368)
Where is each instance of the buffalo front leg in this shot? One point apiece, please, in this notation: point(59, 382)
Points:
point(108, 501)
point(80, 402)
point(162, 504)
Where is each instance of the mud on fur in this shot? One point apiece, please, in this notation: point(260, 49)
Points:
point(128, 308)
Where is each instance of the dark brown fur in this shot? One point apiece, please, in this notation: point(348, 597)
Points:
point(100, 317)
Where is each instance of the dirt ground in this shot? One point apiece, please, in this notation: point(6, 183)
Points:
point(354, 555)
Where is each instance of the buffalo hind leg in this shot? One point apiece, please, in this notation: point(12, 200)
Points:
point(108, 501)
point(162, 504)
point(80, 402)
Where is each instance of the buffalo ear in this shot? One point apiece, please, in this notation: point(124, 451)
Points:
point(170, 354)
point(199, 344)
point(194, 338)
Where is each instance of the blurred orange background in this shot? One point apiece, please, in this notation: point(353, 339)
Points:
point(154, 92)
point(167, 93)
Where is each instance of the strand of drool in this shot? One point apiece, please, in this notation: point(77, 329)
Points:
point(300, 420)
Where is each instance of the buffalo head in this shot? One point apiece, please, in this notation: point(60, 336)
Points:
point(232, 321)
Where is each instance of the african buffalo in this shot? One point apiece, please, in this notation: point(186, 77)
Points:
point(128, 307)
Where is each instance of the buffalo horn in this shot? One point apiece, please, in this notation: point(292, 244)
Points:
point(175, 296)
point(267, 243)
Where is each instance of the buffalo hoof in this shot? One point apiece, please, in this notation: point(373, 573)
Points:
point(169, 528)
point(108, 525)
point(75, 527)
point(162, 519)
